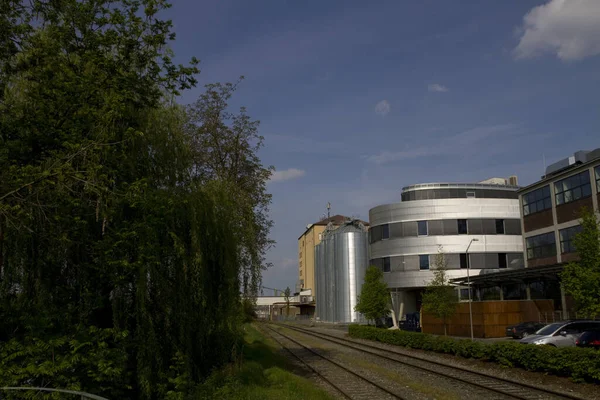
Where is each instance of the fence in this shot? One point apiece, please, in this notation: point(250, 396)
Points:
point(72, 393)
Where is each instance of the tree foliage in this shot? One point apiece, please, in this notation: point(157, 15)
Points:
point(581, 279)
point(374, 299)
point(440, 298)
point(114, 230)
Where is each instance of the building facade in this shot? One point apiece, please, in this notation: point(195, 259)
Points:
point(306, 249)
point(476, 226)
point(551, 208)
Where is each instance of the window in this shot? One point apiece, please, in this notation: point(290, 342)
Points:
point(463, 260)
point(385, 231)
point(470, 195)
point(386, 264)
point(462, 226)
point(566, 238)
point(424, 261)
point(541, 246)
point(573, 188)
point(464, 294)
point(500, 227)
point(597, 169)
point(422, 226)
point(537, 200)
point(502, 260)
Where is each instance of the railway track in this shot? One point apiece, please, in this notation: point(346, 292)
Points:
point(506, 387)
point(348, 383)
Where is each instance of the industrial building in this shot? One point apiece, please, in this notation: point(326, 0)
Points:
point(476, 225)
point(341, 262)
point(550, 210)
point(306, 248)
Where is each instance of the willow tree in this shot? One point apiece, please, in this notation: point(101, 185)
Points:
point(104, 221)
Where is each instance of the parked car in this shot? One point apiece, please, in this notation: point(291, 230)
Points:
point(560, 334)
point(523, 329)
point(589, 339)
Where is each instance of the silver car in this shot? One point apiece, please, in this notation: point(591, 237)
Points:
point(560, 334)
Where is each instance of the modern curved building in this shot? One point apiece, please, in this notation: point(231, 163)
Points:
point(406, 236)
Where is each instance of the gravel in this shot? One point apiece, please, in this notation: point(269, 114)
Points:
point(584, 390)
point(407, 381)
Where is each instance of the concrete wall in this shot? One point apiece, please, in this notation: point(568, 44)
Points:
point(306, 255)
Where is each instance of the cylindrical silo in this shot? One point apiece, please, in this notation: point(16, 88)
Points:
point(340, 269)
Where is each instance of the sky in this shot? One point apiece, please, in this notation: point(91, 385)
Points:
point(358, 99)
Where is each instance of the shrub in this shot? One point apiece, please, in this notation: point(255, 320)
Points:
point(578, 363)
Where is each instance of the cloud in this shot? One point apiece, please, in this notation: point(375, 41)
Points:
point(383, 107)
point(568, 28)
point(464, 140)
point(286, 175)
point(436, 87)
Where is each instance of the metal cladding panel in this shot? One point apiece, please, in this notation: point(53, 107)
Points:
point(341, 294)
point(357, 275)
point(341, 261)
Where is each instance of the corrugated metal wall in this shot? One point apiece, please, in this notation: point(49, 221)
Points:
point(341, 260)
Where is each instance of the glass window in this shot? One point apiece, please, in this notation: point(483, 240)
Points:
point(470, 194)
point(463, 260)
point(501, 260)
point(597, 169)
point(422, 226)
point(537, 200)
point(424, 261)
point(500, 226)
point(385, 231)
point(541, 246)
point(573, 188)
point(566, 238)
point(386, 264)
point(462, 226)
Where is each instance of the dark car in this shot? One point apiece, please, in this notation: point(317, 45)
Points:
point(589, 339)
point(523, 329)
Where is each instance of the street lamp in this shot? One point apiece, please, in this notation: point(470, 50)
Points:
point(469, 285)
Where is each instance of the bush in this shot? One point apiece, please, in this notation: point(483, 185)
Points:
point(578, 363)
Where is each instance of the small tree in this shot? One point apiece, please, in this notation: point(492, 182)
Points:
point(286, 295)
point(581, 279)
point(374, 299)
point(440, 298)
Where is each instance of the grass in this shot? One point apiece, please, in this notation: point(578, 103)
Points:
point(264, 374)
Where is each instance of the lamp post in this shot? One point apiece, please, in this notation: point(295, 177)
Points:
point(469, 285)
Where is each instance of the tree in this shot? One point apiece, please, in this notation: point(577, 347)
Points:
point(225, 149)
point(581, 279)
point(374, 299)
point(440, 298)
point(109, 235)
point(286, 296)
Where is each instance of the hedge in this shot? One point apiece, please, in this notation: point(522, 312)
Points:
point(581, 364)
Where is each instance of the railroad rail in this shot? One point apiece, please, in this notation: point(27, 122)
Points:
point(341, 378)
point(507, 387)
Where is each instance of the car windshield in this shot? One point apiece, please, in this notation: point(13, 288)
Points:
point(549, 329)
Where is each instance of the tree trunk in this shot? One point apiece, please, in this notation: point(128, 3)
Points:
point(445, 327)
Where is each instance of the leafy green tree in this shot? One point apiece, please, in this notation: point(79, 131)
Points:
point(440, 298)
point(109, 234)
point(374, 299)
point(581, 279)
point(225, 148)
point(286, 296)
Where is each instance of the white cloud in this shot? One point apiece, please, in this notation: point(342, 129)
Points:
point(383, 107)
point(436, 87)
point(287, 174)
point(463, 140)
point(568, 28)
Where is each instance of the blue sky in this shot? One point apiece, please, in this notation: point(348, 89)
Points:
point(357, 99)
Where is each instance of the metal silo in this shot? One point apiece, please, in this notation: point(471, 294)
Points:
point(341, 264)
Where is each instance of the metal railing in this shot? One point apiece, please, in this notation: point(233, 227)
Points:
point(81, 395)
